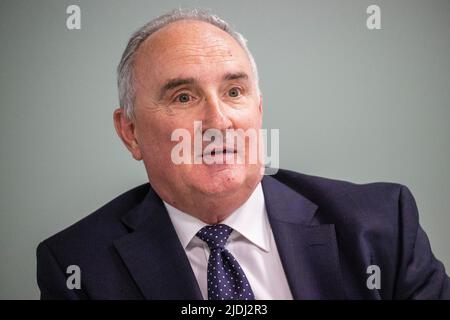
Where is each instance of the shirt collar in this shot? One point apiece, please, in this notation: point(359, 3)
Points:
point(250, 220)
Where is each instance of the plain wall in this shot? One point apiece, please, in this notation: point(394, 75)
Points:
point(350, 103)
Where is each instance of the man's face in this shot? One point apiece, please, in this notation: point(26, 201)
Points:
point(192, 71)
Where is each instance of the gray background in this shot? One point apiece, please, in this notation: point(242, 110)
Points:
point(350, 103)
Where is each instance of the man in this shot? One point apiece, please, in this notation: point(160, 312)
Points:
point(203, 230)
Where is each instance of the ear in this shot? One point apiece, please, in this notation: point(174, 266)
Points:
point(260, 104)
point(260, 109)
point(125, 128)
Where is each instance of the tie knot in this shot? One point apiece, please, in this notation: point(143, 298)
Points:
point(215, 235)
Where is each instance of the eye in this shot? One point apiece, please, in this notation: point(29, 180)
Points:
point(183, 98)
point(234, 92)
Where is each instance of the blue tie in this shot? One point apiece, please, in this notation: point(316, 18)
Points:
point(226, 279)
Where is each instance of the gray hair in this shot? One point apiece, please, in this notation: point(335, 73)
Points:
point(125, 74)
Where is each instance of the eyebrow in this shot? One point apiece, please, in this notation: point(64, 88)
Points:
point(235, 76)
point(173, 83)
point(176, 82)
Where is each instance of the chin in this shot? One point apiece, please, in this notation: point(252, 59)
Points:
point(219, 179)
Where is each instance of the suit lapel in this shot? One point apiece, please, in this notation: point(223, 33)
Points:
point(308, 250)
point(153, 253)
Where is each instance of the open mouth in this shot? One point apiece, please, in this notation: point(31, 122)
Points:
point(219, 152)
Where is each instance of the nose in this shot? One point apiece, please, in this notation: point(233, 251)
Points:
point(216, 114)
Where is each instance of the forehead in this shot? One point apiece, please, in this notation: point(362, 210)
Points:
point(189, 48)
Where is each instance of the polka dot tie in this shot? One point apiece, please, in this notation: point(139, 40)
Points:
point(226, 279)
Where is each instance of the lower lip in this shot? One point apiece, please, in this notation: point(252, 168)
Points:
point(220, 156)
point(219, 153)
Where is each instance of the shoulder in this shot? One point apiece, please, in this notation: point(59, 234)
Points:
point(100, 226)
point(340, 200)
point(316, 187)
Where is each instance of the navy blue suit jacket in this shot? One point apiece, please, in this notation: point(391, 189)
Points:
point(327, 232)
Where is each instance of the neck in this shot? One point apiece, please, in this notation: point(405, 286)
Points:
point(212, 208)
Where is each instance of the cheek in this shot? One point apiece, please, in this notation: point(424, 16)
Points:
point(157, 144)
point(248, 118)
point(153, 136)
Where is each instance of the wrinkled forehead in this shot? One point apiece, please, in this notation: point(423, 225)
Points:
point(189, 48)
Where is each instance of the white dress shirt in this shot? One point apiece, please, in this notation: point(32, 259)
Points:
point(251, 243)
